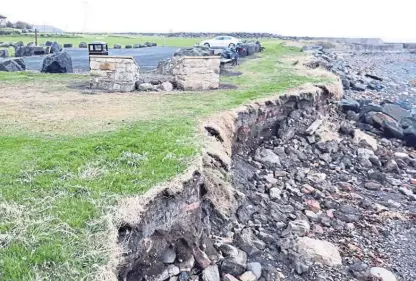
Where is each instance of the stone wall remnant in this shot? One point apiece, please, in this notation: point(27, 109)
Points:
point(113, 73)
point(193, 73)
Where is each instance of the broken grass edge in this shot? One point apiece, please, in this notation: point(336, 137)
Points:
point(217, 133)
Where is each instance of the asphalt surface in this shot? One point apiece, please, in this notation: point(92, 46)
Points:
point(146, 58)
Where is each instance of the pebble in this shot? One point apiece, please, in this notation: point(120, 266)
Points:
point(311, 215)
point(229, 277)
point(275, 193)
point(406, 191)
point(270, 179)
point(248, 276)
point(372, 185)
point(313, 205)
point(169, 256)
point(401, 155)
point(307, 189)
point(211, 273)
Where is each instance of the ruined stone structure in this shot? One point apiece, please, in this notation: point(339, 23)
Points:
point(113, 73)
point(193, 73)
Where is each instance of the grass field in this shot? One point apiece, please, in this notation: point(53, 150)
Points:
point(68, 156)
point(110, 39)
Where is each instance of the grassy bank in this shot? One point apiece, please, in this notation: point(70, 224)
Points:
point(58, 189)
point(110, 39)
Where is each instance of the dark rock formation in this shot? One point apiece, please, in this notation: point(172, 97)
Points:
point(57, 63)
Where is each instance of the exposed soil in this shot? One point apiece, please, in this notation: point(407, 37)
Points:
point(314, 198)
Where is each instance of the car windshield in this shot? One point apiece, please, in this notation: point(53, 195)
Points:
point(219, 38)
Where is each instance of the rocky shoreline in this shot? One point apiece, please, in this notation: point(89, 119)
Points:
point(380, 90)
point(313, 188)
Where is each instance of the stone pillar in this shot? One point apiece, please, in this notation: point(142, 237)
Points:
point(113, 73)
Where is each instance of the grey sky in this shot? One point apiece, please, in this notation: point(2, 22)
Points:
point(393, 20)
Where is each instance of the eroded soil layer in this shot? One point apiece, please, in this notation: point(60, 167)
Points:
point(311, 198)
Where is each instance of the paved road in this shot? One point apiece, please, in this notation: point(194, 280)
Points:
point(147, 58)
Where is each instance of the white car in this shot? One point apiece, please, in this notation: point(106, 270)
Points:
point(221, 42)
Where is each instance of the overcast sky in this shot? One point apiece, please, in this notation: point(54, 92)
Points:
point(392, 20)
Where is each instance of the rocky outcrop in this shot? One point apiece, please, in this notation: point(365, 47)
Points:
point(12, 65)
point(57, 63)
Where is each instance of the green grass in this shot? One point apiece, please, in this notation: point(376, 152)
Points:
point(110, 39)
point(56, 192)
point(30, 77)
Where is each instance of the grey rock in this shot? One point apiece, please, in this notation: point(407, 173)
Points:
point(365, 153)
point(12, 65)
point(57, 63)
point(211, 273)
point(145, 87)
point(358, 87)
point(248, 276)
point(401, 155)
point(359, 270)
point(347, 128)
point(55, 47)
point(128, 46)
point(365, 162)
point(311, 139)
point(169, 255)
point(117, 46)
point(391, 166)
point(235, 265)
point(393, 181)
point(24, 51)
point(318, 251)
point(194, 51)
point(311, 215)
point(270, 179)
point(83, 45)
point(382, 274)
point(169, 271)
point(4, 53)
point(255, 267)
point(188, 264)
point(229, 277)
point(166, 86)
point(267, 156)
point(314, 127)
point(297, 228)
point(377, 176)
point(272, 274)
point(68, 45)
point(275, 193)
point(395, 111)
point(351, 115)
point(406, 192)
point(229, 250)
point(347, 214)
point(375, 161)
point(372, 186)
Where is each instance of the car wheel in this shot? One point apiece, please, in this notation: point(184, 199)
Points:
point(207, 45)
point(232, 45)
